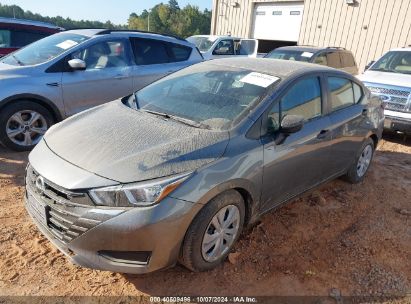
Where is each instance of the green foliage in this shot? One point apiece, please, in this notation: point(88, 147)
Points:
point(171, 19)
point(164, 18)
point(16, 11)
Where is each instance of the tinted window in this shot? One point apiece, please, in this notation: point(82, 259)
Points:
point(149, 51)
point(342, 93)
point(5, 38)
point(321, 59)
point(23, 38)
point(179, 52)
point(224, 47)
point(333, 60)
point(105, 54)
point(290, 55)
point(304, 99)
point(347, 60)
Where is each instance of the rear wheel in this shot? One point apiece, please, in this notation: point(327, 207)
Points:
point(357, 171)
point(23, 124)
point(213, 232)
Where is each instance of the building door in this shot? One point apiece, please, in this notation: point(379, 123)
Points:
point(278, 21)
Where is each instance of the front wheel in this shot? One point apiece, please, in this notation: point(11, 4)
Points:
point(23, 124)
point(357, 171)
point(213, 232)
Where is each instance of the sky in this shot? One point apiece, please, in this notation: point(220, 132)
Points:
point(117, 11)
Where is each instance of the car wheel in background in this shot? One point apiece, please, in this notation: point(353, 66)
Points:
point(357, 171)
point(213, 232)
point(23, 124)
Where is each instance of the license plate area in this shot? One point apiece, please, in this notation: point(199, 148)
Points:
point(38, 209)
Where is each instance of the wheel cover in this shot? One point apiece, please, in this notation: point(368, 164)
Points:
point(26, 127)
point(221, 233)
point(364, 161)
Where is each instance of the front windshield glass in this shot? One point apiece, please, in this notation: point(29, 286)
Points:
point(44, 50)
point(211, 96)
point(394, 62)
point(290, 55)
point(202, 43)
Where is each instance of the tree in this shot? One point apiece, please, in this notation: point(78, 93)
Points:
point(67, 23)
point(171, 19)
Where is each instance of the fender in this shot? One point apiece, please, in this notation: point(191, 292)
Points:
point(58, 115)
point(247, 190)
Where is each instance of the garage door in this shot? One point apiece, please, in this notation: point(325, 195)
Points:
point(278, 21)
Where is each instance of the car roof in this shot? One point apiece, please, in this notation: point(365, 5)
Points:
point(310, 48)
point(275, 67)
point(29, 22)
point(404, 49)
point(129, 33)
point(217, 36)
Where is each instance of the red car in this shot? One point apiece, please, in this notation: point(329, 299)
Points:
point(16, 33)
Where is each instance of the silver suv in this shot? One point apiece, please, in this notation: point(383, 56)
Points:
point(71, 71)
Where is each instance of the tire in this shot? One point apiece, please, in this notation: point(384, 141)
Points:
point(192, 249)
point(354, 174)
point(23, 124)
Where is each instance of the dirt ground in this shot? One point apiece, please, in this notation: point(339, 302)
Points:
point(353, 238)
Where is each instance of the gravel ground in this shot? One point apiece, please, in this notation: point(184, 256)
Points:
point(339, 239)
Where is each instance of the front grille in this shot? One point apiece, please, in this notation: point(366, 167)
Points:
point(389, 91)
point(64, 213)
point(395, 99)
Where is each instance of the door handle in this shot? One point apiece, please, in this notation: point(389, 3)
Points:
point(119, 77)
point(53, 84)
point(323, 134)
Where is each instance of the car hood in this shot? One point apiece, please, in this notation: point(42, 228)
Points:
point(125, 145)
point(395, 79)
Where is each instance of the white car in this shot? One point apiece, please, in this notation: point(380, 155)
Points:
point(390, 78)
point(214, 47)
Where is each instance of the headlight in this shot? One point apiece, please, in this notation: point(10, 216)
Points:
point(139, 194)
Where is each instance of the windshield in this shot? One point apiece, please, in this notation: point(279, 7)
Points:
point(207, 95)
point(202, 43)
point(44, 50)
point(290, 55)
point(394, 62)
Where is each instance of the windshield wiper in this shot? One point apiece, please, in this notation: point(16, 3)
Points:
point(185, 121)
point(17, 60)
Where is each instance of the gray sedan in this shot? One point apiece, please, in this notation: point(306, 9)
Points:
point(175, 171)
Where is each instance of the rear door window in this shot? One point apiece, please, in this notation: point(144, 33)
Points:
point(333, 60)
point(149, 51)
point(343, 93)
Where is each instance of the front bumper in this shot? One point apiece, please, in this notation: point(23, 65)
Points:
point(397, 121)
point(130, 240)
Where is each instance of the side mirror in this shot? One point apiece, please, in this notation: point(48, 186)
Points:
point(369, 65)
point(221, 51)
point(292, 124)
point(77, 64)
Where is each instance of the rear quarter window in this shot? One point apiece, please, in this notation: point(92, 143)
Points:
point(347, 60)
point(179, 52)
